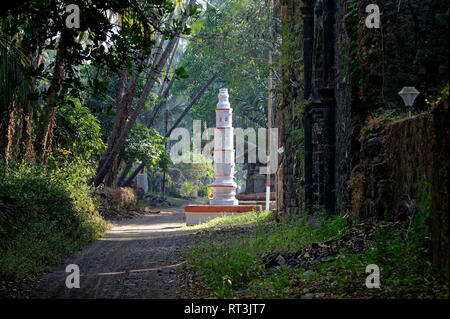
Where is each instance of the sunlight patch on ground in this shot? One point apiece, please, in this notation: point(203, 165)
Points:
point(113, 273)
point(233, 220)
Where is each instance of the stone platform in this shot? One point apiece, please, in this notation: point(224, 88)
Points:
point(202, 213)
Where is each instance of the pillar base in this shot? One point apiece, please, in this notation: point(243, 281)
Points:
point(220, 201)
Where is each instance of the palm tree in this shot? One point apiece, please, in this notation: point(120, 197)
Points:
point(15, 90)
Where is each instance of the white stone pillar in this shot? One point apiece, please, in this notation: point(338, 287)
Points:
point(224, 186)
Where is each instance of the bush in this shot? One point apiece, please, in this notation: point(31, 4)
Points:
point(59, 217)
point(195, 178)
point(147, 146)
point(188, 189)
point(77, 132)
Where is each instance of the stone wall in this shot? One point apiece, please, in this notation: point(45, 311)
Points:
point(348, 116)
point(291, 170)
point(256, 182)
point(372, 65)
point(403, 163)
point(410, 49)
point(289, 177)
point(382, 173)
point(377, 173)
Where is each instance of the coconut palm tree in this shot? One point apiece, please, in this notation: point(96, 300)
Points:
point(16, 88)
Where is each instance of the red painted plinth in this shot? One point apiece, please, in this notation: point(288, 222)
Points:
point(222, 209)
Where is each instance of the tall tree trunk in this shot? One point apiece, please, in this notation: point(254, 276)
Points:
point(26, 139)
point(7, 126)
point(122, 111)
point(111, 177)
point(194, 100)
point(163, 186)
point(125, 171)
point(45, 135)
point(186, 110)
point(114, 151)
point(154, 75)
point(164, 93)
point(119, 113)
point(33, 51)
point(123, 107)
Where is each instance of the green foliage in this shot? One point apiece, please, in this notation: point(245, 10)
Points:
point(349, 51)
point(204, 191)
point(147, 146)
point(15, 83)
point(401, 252)
point(77, 131)
point(405, 269)
point(181, 73)
point(229, 263)
point(187, 189)
point(233, 37)
point(102, 40)
point(195, 175)
point(445, 93)
point(386, 114)
point(442, 20)
point(58, 216)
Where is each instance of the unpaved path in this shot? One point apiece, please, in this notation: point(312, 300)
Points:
point(137, 258)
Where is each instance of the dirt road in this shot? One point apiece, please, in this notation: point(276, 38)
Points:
point(137, 258)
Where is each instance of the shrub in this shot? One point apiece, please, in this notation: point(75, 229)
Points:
point(59, 217)
point(77, 131)
point(188, 189)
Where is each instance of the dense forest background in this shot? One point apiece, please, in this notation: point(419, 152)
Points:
point(106, 94)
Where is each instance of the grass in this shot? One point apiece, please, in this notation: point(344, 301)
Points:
point(228, 261)
point(53, 215)
point(230, 264)
point(39, 249)
point(405, 271)
point(240, 219)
